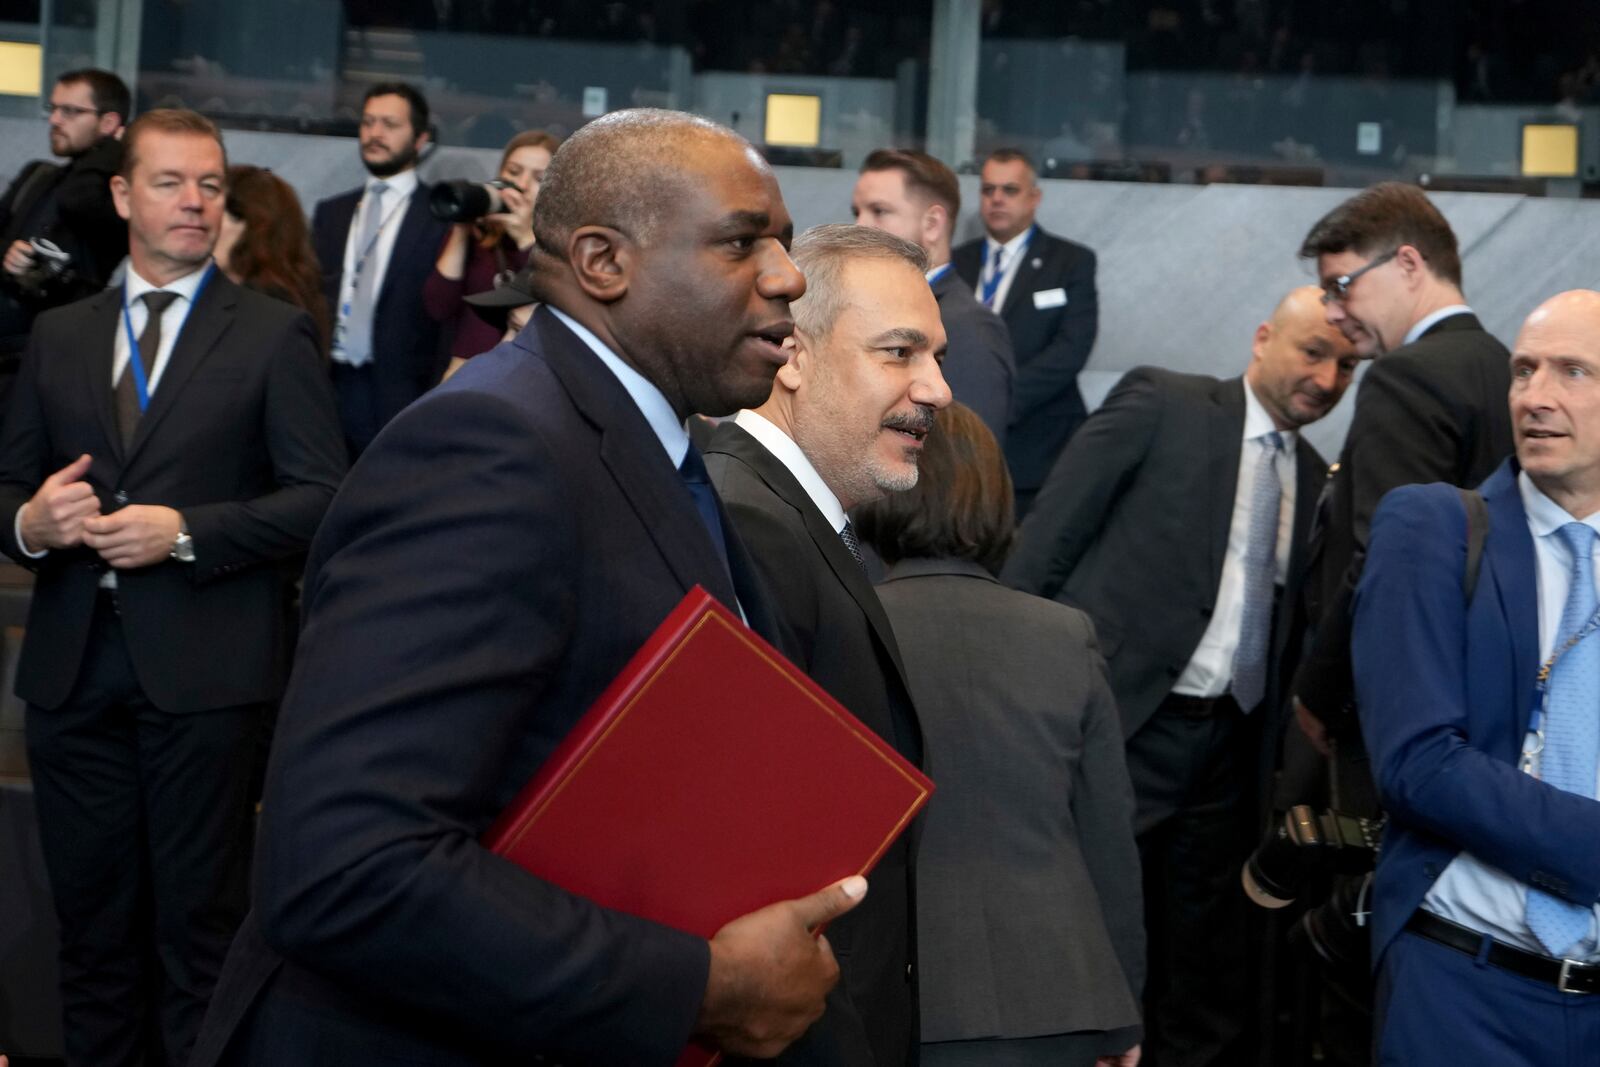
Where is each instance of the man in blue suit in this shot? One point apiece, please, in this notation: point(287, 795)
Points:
point(1484, 906)
point(495, 560)
point(376, 245)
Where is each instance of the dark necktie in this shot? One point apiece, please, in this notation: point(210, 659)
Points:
point(128, 410)
point(698, 481)
point(848, 536)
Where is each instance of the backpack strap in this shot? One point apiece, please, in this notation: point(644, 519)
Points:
point(1477, 533)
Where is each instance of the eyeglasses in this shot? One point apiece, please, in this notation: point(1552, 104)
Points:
point(68, 111)
point(1338, 289)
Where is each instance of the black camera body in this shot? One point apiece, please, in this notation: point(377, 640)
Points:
point(52, 266)
point(464, 201)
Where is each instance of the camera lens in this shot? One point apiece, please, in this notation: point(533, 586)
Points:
point(463, 201)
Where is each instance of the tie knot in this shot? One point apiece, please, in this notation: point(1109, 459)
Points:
point(1579, 537)
point(693, 468)
point(378, 188)
point(159, 300)
point(1272, 442)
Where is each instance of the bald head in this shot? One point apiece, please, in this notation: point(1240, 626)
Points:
point(1300, 365)
point(1555, 399)
point(628, 170)
point(1576, 310)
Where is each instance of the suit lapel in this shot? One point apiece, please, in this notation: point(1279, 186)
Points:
point(412, 228)
point(633, 455)
point(1309, 476)
point(1224, 438)
point(1508, 560)
point(207, 321)
point(98, 359)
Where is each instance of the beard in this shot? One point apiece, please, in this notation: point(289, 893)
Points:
point(388, 168)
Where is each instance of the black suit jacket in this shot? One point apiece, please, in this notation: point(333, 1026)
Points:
point(1132, 527)
point(843, 640)
point(1051, 345)
point(408, 355)
point(495, 558)
point(1435, 410)
point(240, 436)
point(978, 366)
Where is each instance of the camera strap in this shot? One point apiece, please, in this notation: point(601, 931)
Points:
point(141, 382)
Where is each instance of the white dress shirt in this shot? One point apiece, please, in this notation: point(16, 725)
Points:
point(1210, 669)
point(652, 402)
point(1471, 892)
point(782, 446)
point(396, 201)
point(172, 320)
point(1014, 251)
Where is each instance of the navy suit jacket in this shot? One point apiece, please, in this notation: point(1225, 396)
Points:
point(1051, 345)
point(408, 355)
point(978, 365)
point(495, 558)
point(1444, 689)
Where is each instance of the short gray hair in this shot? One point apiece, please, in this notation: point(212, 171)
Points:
point(822, 252)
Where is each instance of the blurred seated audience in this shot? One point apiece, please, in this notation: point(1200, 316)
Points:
point(477, 255)
point(1034, 812)
point(265, 245)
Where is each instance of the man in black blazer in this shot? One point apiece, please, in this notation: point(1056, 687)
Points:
point(843, 425)
point(495, 560)
point(917, 198)
point(1432, 408)
point(377, 246)
point(1178, 520)
point(1043, 287)
point(170, 448)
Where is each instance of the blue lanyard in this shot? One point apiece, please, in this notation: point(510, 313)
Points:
point(940, 273)
point(135, 362)
point(992, 286)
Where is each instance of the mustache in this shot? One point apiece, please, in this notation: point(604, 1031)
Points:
point(919, 420)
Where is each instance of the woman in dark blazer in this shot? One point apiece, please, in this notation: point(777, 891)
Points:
point(1030, 937)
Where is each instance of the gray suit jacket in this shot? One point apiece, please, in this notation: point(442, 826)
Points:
point(978, 366)
point(1132, 527)
point(1029, 919)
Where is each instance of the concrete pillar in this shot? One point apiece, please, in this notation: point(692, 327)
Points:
point(953, 80)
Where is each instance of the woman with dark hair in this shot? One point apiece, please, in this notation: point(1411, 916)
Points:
point(264, 244)
point(1030, 935)
point(478, 255)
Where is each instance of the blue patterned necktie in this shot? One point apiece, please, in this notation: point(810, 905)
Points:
point(1260, 570)
point(1571, 731)
point(355, 341)
point(698, 480)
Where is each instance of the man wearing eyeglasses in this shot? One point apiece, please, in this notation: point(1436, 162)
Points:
point(65, 207)
point(1043, 287)
point(1431, 408)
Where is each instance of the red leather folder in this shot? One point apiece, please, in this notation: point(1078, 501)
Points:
point(712, 778)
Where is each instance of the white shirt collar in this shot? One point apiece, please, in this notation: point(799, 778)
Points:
point(651, 402)
point(404, 183)
point(784, 449)
point(1012, 247)
point(1545, 516)
point(1257, 423)
point(185, 286)
point(1426, 323)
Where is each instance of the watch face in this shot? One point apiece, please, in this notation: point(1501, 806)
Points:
point(183, 549)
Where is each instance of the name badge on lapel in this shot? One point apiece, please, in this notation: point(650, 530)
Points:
point(1045, 299)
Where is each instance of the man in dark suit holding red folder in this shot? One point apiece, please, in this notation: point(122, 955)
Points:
point(844, 425)
point(502, 549)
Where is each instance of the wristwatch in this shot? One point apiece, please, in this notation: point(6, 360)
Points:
point(183, 544)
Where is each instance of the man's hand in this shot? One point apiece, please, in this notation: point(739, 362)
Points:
point(770, 972)
point(55, 515)
point(19, 257)
point(136, 536)
point(1129, 1058)
point(1312, 727)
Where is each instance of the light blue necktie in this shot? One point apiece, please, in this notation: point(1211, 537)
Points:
point(355, 347)
point(1260, 570)
point(1571, 731)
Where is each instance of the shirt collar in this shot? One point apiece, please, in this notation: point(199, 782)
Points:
point(404, 183)
point(651, 402)
point(783, 448)
point(1545, 516)
point(1426, 323)
point(185, 286)
point(1257, 423)
point(1012, 247)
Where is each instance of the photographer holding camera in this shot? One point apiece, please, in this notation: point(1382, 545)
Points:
point(489, 240)
point(59, 230)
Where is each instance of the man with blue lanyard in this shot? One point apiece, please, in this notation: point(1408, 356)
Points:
point(1043, 287)
point(170, 448)
point(917, 198)
point(1477, 674)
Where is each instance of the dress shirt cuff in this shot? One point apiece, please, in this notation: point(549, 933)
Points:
point(16, 532)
